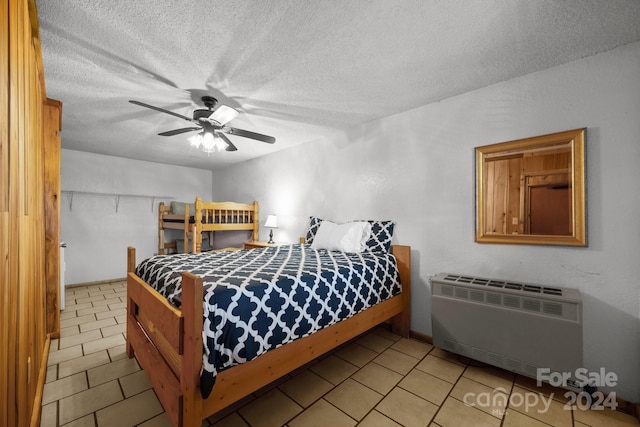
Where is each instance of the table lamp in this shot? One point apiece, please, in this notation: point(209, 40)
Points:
point(272, 222)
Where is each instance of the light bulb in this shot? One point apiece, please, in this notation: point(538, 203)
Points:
point(208, 143)
point(195, 140)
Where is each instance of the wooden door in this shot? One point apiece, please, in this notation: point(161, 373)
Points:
point(550, 210)
point(52, 125)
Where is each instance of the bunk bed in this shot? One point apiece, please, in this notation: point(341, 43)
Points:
point(201, 217)
point(168, 341)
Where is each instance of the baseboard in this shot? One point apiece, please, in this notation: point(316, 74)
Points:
point(42, 378)
point(629, 408)
point(421, 337)
point(98, 282)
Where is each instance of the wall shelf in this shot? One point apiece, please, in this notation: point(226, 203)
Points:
point(116, 196)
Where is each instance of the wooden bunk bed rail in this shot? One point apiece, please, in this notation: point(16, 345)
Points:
point(207, 216)
point(167, 342)
point(226, 216)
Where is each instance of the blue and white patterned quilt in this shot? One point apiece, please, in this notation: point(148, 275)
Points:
point(259, 299)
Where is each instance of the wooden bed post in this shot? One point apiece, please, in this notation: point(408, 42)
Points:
point(192, 293)
point(185, 231)
point(160, 229)
point(194, 244)
point(131, 267)
point(401, 323)
point(131, 259)
point(196, 235)
point(256, 221)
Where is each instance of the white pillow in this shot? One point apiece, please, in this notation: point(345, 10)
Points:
point(349, 237)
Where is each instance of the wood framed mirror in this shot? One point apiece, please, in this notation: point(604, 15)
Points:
point(532, 191)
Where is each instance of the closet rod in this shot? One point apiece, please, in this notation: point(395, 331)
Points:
point(116, 196)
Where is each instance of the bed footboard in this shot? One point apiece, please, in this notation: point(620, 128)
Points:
point(167, 343)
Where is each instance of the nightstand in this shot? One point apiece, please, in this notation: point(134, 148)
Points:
point(258, 244)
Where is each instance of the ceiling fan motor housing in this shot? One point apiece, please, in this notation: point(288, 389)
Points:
point(209, 102)
point(201, 114)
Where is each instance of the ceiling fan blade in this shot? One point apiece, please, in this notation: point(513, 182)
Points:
point(178, 131)
point(162, 110)
point(230, 146)
point(248, 134)
point(223, 115)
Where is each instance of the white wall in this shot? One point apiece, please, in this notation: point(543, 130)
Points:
point(417, 168)
point(96, 235)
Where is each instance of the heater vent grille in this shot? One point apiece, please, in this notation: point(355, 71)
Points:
point(545, 300)
point(552, 308)
point(526, 287)
point(520, 327)
point(530, 304)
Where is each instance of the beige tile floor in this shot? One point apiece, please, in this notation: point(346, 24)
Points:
point(379, 379)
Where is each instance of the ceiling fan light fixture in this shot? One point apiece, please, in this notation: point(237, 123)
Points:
point(195, 140)
point(212, 126)
point(212, 144)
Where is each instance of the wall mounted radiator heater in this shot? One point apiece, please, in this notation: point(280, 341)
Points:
point(519, 327)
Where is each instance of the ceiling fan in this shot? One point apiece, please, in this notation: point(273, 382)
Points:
point(212, 125)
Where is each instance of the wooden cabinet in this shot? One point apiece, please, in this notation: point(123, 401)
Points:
point(24, 339)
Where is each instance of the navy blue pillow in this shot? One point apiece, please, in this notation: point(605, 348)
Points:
point(314, 224)
point(381, 236)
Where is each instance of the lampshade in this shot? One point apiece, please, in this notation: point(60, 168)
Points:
point(272, 222)
point(208, 142)
point(196, 140)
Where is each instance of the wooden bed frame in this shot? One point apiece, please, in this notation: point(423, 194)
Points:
point(209, 216)
point(167, 342)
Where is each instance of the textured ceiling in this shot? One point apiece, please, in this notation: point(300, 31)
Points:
point(296, 70)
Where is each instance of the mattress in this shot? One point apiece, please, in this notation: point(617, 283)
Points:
point(259, 299)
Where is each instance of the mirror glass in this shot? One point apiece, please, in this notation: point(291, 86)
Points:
point(532, 190)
